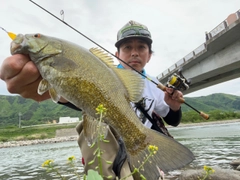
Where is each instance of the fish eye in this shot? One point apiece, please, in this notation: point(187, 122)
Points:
point(37, 35)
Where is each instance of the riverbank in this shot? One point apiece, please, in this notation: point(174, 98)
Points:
point(69, 135)
point(37, 141)
point(205, 123)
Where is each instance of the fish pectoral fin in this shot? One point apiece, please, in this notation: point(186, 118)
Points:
point(54, 95)
point(93, 130)
point(63, 64)
point(43, 86)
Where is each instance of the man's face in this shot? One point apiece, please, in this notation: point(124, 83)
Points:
point(134, 52)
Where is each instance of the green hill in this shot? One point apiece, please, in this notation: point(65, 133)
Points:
point(218, 101)
point(33, 113)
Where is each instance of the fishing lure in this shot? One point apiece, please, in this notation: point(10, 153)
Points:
point(10, 34)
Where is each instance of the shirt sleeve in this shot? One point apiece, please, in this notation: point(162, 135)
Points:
point(173, 118)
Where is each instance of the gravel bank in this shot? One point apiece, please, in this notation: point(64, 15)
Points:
point(71, 135)
point(37, 141)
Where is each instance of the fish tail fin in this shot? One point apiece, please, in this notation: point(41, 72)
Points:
point(170, 155)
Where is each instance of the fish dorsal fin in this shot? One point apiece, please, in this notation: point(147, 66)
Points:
point(133, 82)
point(108, 60)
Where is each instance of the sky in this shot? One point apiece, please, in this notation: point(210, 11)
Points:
point(177, 27)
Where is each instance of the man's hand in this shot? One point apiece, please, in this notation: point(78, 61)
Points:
point(22, 77)
point(171, 98)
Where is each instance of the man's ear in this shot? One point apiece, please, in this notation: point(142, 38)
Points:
point(116, 53)
point(149, 57)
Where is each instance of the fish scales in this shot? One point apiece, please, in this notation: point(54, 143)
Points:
point(108, 97)
point(89, 78)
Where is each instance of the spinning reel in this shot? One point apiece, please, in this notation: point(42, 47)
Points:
point(178, 81)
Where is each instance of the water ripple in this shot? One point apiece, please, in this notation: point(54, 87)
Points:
point(212, 145)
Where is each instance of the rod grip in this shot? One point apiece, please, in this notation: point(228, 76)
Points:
point(205, 116)
point(163, 88)
point(181, 100)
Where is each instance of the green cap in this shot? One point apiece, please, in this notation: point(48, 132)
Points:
point(133, 29)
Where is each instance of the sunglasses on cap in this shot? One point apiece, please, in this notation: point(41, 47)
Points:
point(134, 31)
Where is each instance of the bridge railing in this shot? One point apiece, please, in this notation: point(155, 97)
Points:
point(202, 48)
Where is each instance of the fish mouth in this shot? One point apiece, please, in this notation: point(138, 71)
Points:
point(17, 44)
point(15, 47)
point(21, 45)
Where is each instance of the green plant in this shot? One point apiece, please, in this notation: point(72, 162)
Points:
point(93, 174)
point(207, 172)
point(49, 165)
point(101, 110)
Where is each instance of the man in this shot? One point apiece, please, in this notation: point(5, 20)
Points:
point(134, 48)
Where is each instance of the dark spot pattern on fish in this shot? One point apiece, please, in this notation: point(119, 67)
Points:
point(63, 64)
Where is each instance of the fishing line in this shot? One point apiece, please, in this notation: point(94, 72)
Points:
point(90, 40)
point(159, 85)
point(4, 29)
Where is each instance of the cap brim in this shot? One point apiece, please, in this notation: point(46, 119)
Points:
point(146, 39)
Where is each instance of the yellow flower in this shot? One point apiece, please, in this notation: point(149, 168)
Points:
point(101, 109)
point(152, 149)
point(208, 169)
point(71, 158)
point(47, 163)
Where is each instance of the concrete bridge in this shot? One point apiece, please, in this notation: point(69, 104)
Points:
point(215, 61)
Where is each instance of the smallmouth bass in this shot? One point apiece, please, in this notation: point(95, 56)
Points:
point(87, 78)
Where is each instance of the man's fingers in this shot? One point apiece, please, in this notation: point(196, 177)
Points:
point(175, 94)
point(12, 65)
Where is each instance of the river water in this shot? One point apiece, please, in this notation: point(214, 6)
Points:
point(211, 144)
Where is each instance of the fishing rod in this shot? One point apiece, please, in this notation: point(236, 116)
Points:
point(159, 85)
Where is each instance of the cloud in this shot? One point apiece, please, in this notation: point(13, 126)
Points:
point(177, 27)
